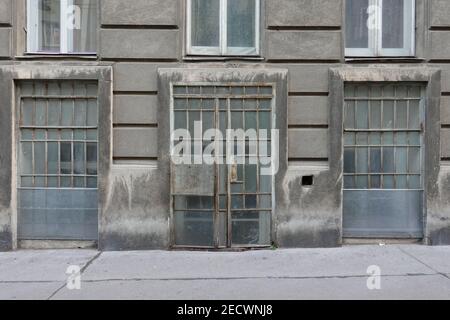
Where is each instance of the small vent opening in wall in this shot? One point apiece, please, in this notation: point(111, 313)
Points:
point(307, 181)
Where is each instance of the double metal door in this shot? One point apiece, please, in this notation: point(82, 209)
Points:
point(227, 203)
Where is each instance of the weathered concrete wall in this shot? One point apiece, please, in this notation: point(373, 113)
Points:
point(304, 37)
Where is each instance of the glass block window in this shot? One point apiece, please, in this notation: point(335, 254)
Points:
point(223, 27)
point(380, 28)
point(383, 132)
point(58, 134)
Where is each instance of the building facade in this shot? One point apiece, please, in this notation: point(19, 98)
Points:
point(353, 98)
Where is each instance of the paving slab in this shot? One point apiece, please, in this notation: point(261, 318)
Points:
point(346, 261)
point(45, 265)
point(392, 288)
point(28, 291)
point(437, 258)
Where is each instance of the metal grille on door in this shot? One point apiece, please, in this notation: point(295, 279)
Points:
point(224, 204)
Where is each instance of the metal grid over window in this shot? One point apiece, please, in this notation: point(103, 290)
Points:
point(58, 134)
point(239, 214)
point(383, 136)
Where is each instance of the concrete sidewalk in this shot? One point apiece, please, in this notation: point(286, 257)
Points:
point(408, 272)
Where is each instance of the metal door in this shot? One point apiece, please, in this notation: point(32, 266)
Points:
point(227, 203)
point(383, 160)
point(57, 160)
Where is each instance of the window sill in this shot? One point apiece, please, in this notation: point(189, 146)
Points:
point(383, 59)
point(57, 56)
point(222, 58)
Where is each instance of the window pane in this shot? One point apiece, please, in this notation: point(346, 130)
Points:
point(49, 25)
point(26, 156)
point(78, 158)
point(52, 155)
point(39, 158)
point(205, 23)
point(241, 23)
point(84, 32)
point(66, 158)
point(393, 24)
point(91, 157)
point(357, 33)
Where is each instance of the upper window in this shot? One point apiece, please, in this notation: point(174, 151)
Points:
point(223, 27)
point(380, 28)
point(62, 26)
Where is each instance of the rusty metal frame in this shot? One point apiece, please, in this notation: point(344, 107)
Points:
point(216, 120)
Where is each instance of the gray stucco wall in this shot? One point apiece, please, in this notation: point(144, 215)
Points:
point(304, 37)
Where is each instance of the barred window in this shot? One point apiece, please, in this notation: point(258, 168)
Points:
point(383, 136)
point(58, 135)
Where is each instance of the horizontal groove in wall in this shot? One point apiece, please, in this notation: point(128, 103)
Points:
point(308, 94)
point(445, 94)
point(308, 126)
point(162, 60)
point(440, 28)
point(134, 160)
point(305, 61)
point(445, 126)
point(5, 58)
point(5, 25)
point(135, 93)
point(135, 126)
point(445, 159)
point(139, 27)
point(304, 28)
point(439, 61)
point(308, 159)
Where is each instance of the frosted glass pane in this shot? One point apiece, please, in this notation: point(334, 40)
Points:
point(84, 34)
point(54, 110)
point(414, 160)
point(39, 158)
point(250, 178)
point(27, 112)
point(362, 161)
point(393, 24)
point(401, 121)
point(26, 158)
point(401, 161)
point(41, 112)
point(375, 160)
point(388, 160)
point(49, 25)
point(388, 114)
point(414, 115)
point(78, 158)
point(91, 157)
point(349, 161)
point(205, 23)
point(350, 115)
point(80, 112)
point(375, 115)
point(241, 23)
point(66, 158)
point(92, 113)
point(362, 115)
point(356, 31)
point(52, 155)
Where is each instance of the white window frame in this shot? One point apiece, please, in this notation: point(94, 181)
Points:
point(375, 35)
point(33, 30)
point(223, 49)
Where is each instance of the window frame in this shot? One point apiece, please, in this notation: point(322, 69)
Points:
point(375, 38)
point(222, 49)
point(66, 34)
